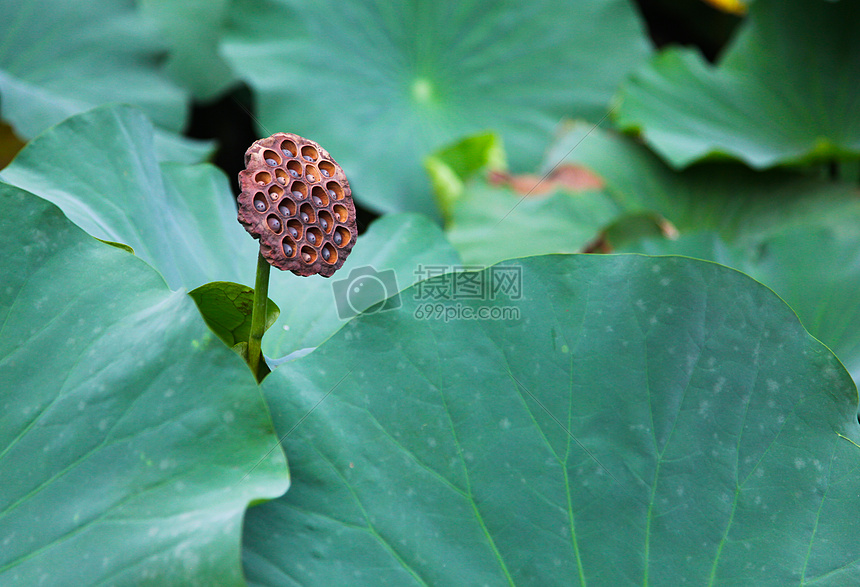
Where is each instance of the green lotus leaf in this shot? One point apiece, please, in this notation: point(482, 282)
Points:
point(796, 234)
point(179, 218)
point(227, 307)
point(131, 439)
point(58, 58)
point(642, 420)
point(785, 91)
point(383, 85)
point(398, 249)
point(193, 30)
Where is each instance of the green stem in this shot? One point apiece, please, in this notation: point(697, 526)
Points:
point(258, 316)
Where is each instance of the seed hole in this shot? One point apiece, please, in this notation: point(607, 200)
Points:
point(340, 213)
point(327, 168)
point(274, 223)
point(300, 190)
point(306, 214)
point(294, 168)
point(319, 196)
point(329, 254)
point(288, 148)
point(309, 153)
point(272, 158)
point(287, 208)
point(314, 236)
point(289, 246)
point(263, 178)
point(325, 220)
point(309, 255)
point(260, 203)
point(334, 190)
point(341, 236)
point(275, 192)
point(281, 176)
point(312, 174)
point(294, 227)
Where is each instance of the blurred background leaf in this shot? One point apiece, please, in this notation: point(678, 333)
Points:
point(193, 30)
point(58, 58)
point(382, 85)
point(784, 92)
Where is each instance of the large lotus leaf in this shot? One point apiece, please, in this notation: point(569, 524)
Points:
point(785, 91)
point(193, 29)
point(181, 219)
point(643, 420)
point(815, 269)
point(131, 439)
point(383, 84)
point(397, 247)
point(58, 58)
point(796, 234)
point(101, 169)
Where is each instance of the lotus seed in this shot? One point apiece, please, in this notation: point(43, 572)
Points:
point(337, 238)
point(324, 223)
point(275, 224)
point(260, 205)
point(272, 162)
point(305, 217)
point(311, 178)
point(294, 173)
point(324, 172)
point(318, 201)
point(298, 194)
point(284, 210)
point(294, 232)
point(312, 238)
point(308, 158)
point(288, 250)
point(306, 257)
point(326, 253)
point(287, 152)
point(332, 194)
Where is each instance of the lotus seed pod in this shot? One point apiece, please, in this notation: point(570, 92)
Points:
point(296, 200)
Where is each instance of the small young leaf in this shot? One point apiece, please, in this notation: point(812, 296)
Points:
point(226, 308)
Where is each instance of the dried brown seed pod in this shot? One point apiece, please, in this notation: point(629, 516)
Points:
point(296, 199)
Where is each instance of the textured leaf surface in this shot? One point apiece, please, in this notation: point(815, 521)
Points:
point(381, 85)
point(785, 91)
point(654, 421)
point(797, 235)
point(126, 429)
point(397, 247)
point(58, 58)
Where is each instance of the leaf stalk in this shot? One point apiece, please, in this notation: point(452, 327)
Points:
point(258, 318)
